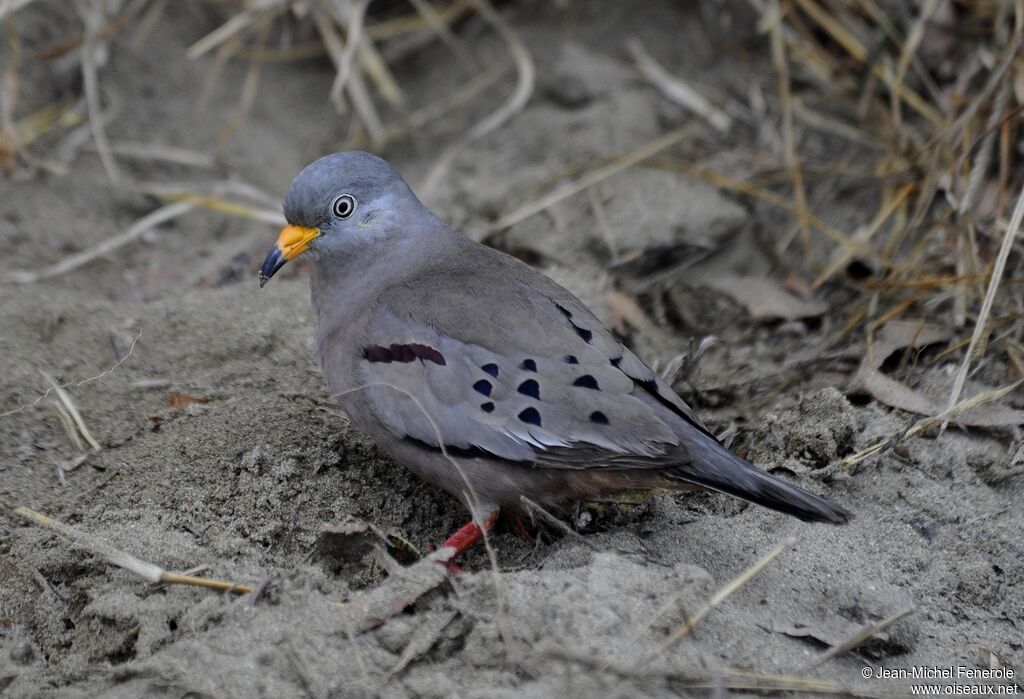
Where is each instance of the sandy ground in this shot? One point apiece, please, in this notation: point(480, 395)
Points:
point(244, 480)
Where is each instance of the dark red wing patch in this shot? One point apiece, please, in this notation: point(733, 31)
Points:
point(403, 353)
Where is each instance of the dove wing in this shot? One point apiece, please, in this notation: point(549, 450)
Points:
point(501, 360)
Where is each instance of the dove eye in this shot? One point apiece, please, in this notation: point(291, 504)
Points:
point(343, 206)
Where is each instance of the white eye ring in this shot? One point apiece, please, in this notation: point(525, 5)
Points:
point(343, 206)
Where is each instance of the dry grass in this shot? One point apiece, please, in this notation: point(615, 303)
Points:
point(255, 31)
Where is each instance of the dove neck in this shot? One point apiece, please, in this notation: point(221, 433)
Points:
point(346, 284)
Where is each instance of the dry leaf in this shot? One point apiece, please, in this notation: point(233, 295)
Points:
point(180, 401)
point(898, 335)
point(799, 286)
point(898, 395)
point(625, 311)
point(764, 298)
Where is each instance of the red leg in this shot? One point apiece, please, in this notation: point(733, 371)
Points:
point(465, 538)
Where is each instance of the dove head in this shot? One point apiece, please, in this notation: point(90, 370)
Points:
point(339, 203)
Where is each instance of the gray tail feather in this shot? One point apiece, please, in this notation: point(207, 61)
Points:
point(716, 468)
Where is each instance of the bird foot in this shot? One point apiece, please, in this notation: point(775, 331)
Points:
point(463, 539)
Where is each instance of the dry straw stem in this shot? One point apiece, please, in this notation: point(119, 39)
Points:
point(83, 382)
point(853, 46)
point(730, 678)
point(865, 634)
point(860, 240)
point(981, 327)
point(211, 188)
point(907, 54)
point(354, 84)
point(162, 153)
point(236, 24)
point(149, 571)
point(742, 579)
point(72, 412)
point(10, 143)
point(93, 17)
point(438, 108)
point(526, 77)
point(353, 35)
point(250, 86)
point(439, 25)
point(58, 115)
point(781, 63)
point(723, 181)
point(226, 206)
point(147, 222)
point(380, 31)
point(930, 422)
point(676, 89)
point(69, 426)
point(593, 177)
point(359, 46)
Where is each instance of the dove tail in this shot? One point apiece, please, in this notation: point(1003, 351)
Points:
point(716, 468)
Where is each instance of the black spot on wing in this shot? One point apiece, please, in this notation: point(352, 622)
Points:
point(403, 353)
point(587, 381)
point(491, 369)
point(528, 365)
point(571, 359)
point(530, 388)
point(587, 335)
point(616, 361)
point(530, 416)
point(598, 417)
point(487, 407)
point(483, 386)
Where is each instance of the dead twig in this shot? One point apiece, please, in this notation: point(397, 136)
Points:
point(356, 88)
point(148, 571)
point(526, 72)
point(865, 634)
point(981, 327)
point(731, 678)
point(928, 423)
point(133, 232)
point(72, 412)
point(353, 35)
point(591, 178)
point(676, 89)
point(92, 17)
point(742, 579)
point(83, 382)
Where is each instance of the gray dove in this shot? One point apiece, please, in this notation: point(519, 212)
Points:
point(482, 375)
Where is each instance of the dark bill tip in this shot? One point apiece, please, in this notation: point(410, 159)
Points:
point(275, 261)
